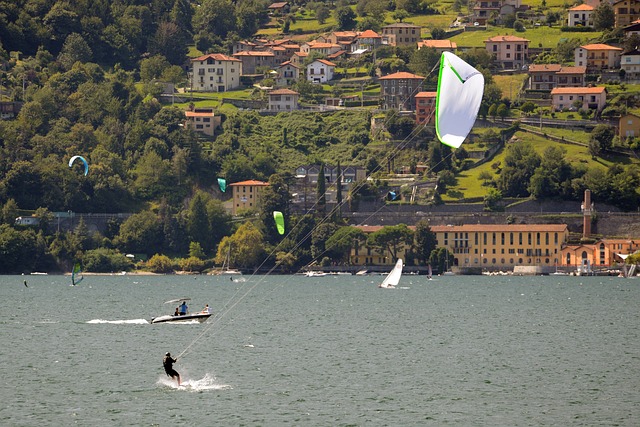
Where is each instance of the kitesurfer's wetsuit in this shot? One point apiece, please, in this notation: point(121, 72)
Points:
point(168, 362)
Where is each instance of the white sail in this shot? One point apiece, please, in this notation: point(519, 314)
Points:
point(392, 279)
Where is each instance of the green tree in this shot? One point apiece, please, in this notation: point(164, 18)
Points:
point(153, 67)
point(140, 233)
point(604, 17)
point(198, 221)
point(391, 240)
point(424, 241)
point(345, 239)
point(345, 18)
point(160, 264)
point(105, 260)
point(246, 247)
point(491, 199)
point(75, 49)
point(549, 178)
point(322, 14)
point(520, 163)
point(601, 139)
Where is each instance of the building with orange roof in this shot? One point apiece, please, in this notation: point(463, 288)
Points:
point(320, 48)
point(508, 52)
point(439, 45)
point(486, 246)
point(590, 98)
point(369, 40)
point(597, 57)
point(246, 195)
point(320, 71)
point(283, 100)
point(288, 74)
point(580, 16)
point(398, 90)
point(202, 120)
point(425, 107)
point(549, 76)
point(253, 60)
point(215, 72)
point(626, 12)
point(298, 58)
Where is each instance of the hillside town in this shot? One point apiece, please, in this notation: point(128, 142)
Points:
point(343, 70)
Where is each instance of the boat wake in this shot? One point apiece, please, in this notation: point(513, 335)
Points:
point(208, 382)
point(121, 322)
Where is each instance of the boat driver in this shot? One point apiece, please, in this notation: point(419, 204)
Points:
point(183, 308)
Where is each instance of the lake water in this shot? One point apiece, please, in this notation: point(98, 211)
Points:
point(322, 351)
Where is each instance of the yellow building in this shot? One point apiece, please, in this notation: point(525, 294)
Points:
point(503, 246)
point(246, 194)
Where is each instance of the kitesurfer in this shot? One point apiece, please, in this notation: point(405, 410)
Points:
point(168, 362)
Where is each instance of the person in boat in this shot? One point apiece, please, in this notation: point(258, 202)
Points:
point(206, 309)
point(183, 308)
point(168, 362)
point(177, 312)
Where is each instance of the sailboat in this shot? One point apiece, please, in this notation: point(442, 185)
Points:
point(226, 270)
point(76, 274)
point(430, 273)
point(392, 279)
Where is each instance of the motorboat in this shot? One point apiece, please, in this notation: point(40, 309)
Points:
point(189, 317)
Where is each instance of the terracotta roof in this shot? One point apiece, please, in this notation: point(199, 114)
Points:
point(438, 44)
point(582, 7)
point(253, 53)
point(401, 75)
point(506, 39)
point(599, 46)
point(320, 45)
point(369, 34)
point(572, 70)
point(499, 228)
point(325, 62)
point(426, 94)
point(345, 33)
point(285, 63)
point(538, 68)
point(584, 90)
point(195, 114)
point(284, 91)
point(277, 5)
point(215, 57)
point(301, 53)
point(252, 182)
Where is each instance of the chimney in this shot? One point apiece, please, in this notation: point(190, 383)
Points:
point(586, 211)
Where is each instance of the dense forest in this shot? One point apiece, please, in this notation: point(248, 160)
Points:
point(83, 69)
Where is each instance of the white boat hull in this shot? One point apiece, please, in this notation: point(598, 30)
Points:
point(200, 317)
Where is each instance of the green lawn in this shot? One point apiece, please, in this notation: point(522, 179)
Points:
point(543, 36)
point(470, 185)
point(510, 84)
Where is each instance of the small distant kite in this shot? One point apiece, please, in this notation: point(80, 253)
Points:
point(460, 90)
point(223, 184)
point(277, 215)
point(86, 165)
